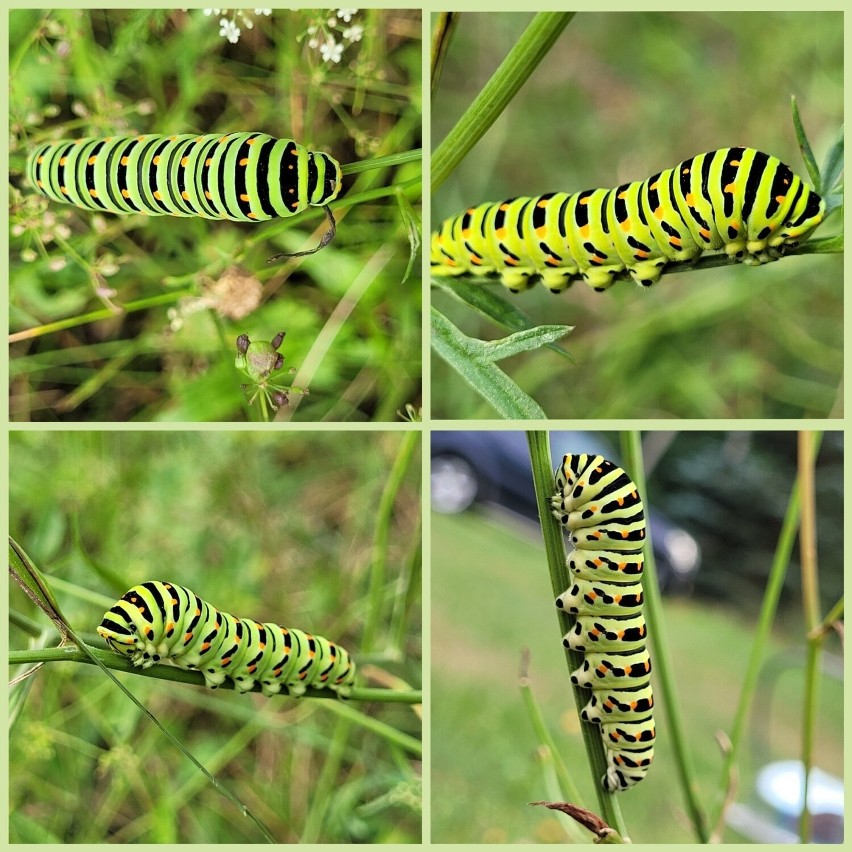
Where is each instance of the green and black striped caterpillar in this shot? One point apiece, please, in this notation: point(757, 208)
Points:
point(239, 176)
point(737, 199)
point(600, 505)
point(159, 621)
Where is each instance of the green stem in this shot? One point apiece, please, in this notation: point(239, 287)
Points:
point(172, 673)
point(810, 605)
point(384, 515)
point(774, 585)
point(663, 669)
point(554, 545)
point(96, 316)
point(523, 59)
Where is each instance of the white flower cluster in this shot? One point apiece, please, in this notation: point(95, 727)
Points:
point(323, 36)
point(228, 27)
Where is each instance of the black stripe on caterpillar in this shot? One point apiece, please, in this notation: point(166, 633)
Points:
point(600, 506)
point(738, 199)
point(163, 622)
point(239, 176)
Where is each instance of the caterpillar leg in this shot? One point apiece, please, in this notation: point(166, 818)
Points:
point(648, 272)
point(518, 280)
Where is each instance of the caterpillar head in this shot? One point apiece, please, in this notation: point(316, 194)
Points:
point(124, 639)
point(802, 219)
point(330, 179)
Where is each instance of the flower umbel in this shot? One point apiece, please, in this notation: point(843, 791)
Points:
point(258, 361)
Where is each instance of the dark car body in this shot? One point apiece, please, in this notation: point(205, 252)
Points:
point(493, 467)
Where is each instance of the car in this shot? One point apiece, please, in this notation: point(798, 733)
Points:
point(493, 467)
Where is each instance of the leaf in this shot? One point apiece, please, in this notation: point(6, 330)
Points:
point(474, 361)
point(587, 819)
point(493, 306)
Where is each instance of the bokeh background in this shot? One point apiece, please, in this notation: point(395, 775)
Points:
point(271, 527)
point(619, 97)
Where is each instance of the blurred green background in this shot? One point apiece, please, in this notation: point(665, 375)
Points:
point(147, 332)
point(271, 527)
point(491, 598)
point(619, 97)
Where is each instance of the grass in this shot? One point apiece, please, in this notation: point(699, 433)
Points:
point(117, 318)
point(725, 342)
point(268, 528)
point(499, 605)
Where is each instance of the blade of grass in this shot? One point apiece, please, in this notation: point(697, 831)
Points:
point(769, 606)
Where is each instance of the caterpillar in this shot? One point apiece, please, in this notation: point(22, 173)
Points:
point(738, 199)
point(160, 621)
point(600, 506)
point(238, 176)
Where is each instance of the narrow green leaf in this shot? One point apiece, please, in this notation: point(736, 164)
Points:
point(805, 145)
point(522, 341)
point(442, 35)
point(411, 221)
point(832, 167)
point(493, 306)
point(488, 380)
point(31, 580)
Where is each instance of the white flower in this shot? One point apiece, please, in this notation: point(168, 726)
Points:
point(229, 30)
point(353, 33)
point(263, 11)
point(331, 51)
point(346, 14)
